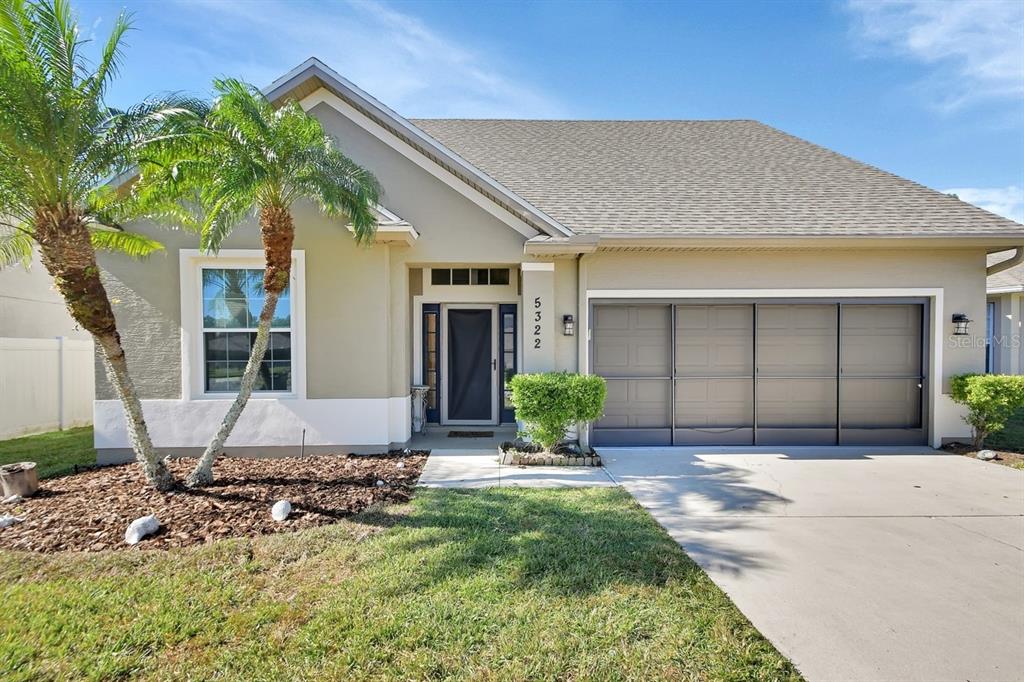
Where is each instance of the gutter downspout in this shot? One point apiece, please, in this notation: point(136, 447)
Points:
point(1016, 259)
point(582, 331)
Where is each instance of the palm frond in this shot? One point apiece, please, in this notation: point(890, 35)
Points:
point(131, 244)
point(15, 248)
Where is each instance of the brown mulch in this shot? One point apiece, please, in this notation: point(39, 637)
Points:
point(1010, 459)
point(90, 511)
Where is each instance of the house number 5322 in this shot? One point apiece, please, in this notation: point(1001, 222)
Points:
point(537, 315)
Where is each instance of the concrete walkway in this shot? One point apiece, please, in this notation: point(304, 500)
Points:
point(857, 563)
point(480, 469)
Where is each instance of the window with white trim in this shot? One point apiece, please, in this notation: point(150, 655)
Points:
point(232, 298)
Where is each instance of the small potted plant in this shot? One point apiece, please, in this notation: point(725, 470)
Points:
point(548, 405)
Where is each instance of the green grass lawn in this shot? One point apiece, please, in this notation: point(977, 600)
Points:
point(498, 584)
point(54, 453)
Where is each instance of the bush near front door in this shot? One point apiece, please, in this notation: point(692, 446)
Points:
point(991, 399)
point(549, 403)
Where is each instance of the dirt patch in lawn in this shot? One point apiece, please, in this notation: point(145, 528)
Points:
point(1014, 460)
point(90, 511)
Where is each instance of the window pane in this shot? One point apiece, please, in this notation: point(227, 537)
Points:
point(509, 322)
point(224, 376)
point(460, 276)
point(281, 376)
point(238, 346)
point(222, 313)
point(280, 346)
point(499, 276)
point(263, 378)
point(283, 311)
point(431, 323)
point(478, 276)
point(216, 346)
point(440, 276)
point(213, 283)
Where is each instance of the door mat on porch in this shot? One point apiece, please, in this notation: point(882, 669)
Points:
point(471, 434)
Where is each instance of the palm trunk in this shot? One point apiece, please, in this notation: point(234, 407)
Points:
point(278, 233)
point(69, 257)
point(203, 473)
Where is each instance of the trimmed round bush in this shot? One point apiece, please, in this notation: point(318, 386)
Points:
point(551, 402)
point(991, 399)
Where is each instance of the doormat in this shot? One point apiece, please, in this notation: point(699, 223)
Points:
point(471, 434)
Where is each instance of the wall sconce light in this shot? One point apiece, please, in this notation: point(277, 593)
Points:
point(568, 325)
point(960, 323)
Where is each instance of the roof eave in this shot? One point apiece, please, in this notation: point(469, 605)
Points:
point(582, 244)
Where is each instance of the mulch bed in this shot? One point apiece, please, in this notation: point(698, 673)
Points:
point(1010, 459)
point(90, 511)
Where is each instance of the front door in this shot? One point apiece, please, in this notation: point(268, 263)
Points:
point(470, 365)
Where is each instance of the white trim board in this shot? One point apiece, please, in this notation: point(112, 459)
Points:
point(943, 412)
point(265, 422)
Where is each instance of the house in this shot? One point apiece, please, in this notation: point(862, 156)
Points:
point(1003, 353)
point(733, 283)
point(46, 360)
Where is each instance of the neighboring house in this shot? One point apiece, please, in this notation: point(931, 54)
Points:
point(1003, 352)
point(46, 361)
point(734, 284)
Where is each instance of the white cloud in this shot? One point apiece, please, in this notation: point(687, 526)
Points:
point(976, 47)
point(1004, 201)
point(410, 66)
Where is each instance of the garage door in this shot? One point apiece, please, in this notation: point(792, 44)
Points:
point(766, 373)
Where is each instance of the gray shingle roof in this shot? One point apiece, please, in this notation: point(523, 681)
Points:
point(1007, 279)
point(730, 178)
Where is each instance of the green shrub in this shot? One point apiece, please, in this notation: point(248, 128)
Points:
point(991, 399)
point(548, 404)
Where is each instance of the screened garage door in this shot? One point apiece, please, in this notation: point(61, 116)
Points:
point(765, 373)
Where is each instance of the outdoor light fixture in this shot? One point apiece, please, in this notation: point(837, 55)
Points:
point(960, 323)
point(568, 326)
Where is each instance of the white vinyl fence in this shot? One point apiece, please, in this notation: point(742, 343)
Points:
point(45, 384)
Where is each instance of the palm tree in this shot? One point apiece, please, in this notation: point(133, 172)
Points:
point(249, 158)
point(59, 143)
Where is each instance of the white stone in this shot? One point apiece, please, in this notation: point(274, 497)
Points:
point(140, 528)
point(380, 484)
point(986, 455)
point(13, 499)
point(8, 520)
point(401, 465)
point(281, 510)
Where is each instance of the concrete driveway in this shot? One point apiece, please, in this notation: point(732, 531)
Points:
point(858, 564)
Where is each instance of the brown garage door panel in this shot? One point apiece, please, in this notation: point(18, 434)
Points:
point(632, 341)
point(714, 340)
point(797, 340)
point(774, 373)
point(636, 403)
point(881, 340)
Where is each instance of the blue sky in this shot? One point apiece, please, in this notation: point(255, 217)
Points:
point(930, 90)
